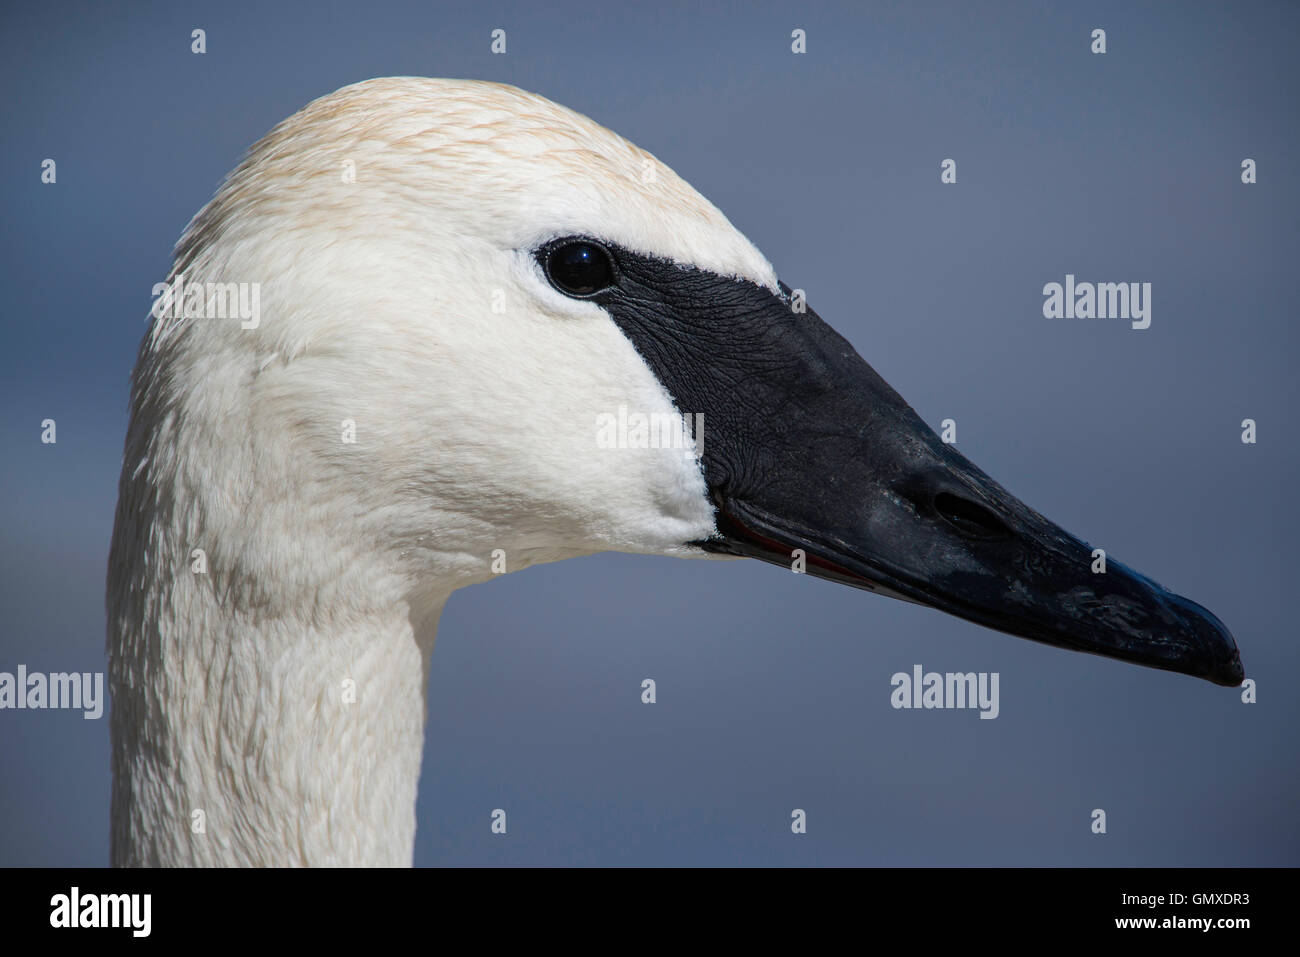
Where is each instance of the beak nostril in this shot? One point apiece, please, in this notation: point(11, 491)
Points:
point(969, 518)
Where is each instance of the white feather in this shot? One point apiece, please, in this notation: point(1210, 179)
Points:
point(475, 430)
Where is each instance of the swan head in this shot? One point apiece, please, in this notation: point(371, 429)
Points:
point(476, 312)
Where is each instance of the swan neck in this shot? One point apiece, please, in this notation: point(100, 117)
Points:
point(268, 740)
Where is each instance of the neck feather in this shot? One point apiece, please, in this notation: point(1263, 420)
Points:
point(248, 740)
point(267, 664)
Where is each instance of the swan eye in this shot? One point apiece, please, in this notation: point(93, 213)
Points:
point(580, 267)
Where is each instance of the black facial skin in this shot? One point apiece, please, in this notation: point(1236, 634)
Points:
point(807, 447)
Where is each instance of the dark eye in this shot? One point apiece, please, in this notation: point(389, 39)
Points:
point(580, 268)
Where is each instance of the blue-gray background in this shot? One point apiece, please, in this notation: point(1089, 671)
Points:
point(773, 689)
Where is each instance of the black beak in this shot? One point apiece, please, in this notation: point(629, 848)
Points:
point(928, 526)
point(806, 447)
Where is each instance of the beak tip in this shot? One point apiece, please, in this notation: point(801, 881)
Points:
point(1230, 673)
point(1233, 674)
point(1220, 658)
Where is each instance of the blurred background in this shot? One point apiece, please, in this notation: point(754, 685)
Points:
point(773, 689)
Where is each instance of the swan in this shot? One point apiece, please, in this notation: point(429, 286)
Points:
point(454, 281)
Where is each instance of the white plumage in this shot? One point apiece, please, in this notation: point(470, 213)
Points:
point(330, 561)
